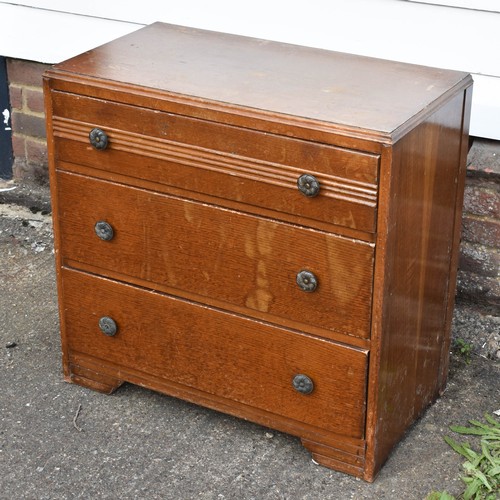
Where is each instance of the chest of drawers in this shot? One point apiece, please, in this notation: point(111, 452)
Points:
point(263, 229)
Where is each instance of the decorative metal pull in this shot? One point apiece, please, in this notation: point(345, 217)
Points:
point(303, 384)
point(98, 138)
point(104, 230)
point(108, 326)
point(307, 281)
point(308, 185)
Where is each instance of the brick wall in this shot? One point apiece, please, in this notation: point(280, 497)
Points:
point(28, 121)
point(479, 269)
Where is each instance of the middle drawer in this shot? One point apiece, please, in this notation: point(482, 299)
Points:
point(232, 260)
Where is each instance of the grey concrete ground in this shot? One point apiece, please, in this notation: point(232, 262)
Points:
point(61, 441)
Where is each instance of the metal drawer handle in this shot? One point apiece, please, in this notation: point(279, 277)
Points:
point(104, 230)
point(307, 281)
point(98, 138)
point(308, 185)
point(303, 384)
point(108, 326)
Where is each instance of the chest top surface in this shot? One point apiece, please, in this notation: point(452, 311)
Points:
point(343, 89)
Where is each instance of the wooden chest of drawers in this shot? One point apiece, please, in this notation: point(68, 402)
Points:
point(264, 229)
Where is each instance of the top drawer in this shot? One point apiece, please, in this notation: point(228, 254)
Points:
point(242, 165)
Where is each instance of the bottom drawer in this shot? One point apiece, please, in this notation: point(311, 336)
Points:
point(222, 354)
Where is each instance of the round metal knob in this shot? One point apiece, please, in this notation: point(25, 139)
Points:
point(108, 326)
point(308, 185)
point(307, 281)
point(104, 230)
point(98, 138)
point(303, 384)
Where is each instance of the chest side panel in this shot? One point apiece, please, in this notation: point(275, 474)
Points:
point(419, 239)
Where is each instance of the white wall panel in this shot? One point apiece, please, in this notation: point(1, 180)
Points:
point(490, 5)
point(51, 36)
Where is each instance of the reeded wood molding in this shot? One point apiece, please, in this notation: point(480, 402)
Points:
point(362, 193)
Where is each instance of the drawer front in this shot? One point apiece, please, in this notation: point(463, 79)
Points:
point(219, 353)
point(251, 167)
point(205, 253)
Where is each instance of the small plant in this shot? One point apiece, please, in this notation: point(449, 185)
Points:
point(482, 467)
point(464, 349)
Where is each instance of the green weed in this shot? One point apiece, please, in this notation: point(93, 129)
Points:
point(464, 349)
point(482, 468)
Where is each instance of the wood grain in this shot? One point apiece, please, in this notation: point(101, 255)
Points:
point(228, 162)
point(262, 75)
point(206, 253)
point(415, 284)
point(219, 353)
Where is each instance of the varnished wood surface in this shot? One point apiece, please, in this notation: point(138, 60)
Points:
point(219, 353)
point(225, 142)
point(455, 243)
point(411, 322)
point(302, 82)
point(348, 452)
point(228, 162)
point(117, 175)
point(226, 257)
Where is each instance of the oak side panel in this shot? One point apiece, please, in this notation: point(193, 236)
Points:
point(464, 148)
point(418, 245)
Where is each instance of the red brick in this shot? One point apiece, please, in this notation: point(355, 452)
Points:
point(19, 169)
point(26, 124)
point(36, 152)
point(482, 230)
point(18, 146)
point(483, 200)
point(25, 72)
point(16, 97)
point(34, 100)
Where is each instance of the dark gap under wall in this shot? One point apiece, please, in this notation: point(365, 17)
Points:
point(6, 156)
